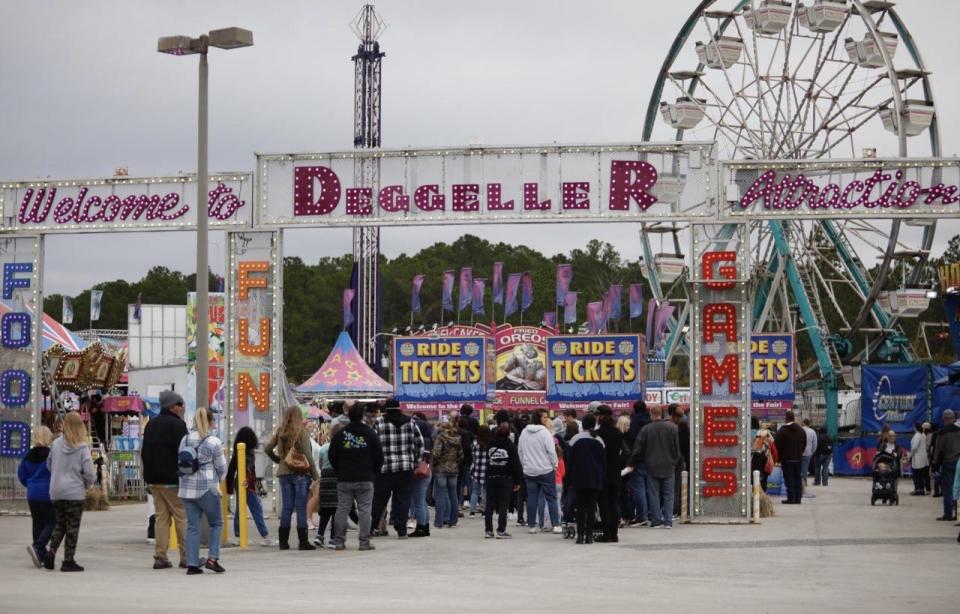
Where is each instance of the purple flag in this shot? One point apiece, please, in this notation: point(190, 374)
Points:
point(550, 319)
point(447, 291)
point(415, 296)
point(479, 287)
point(513, 283)
point(613, 301)
point(564, 277)
point(596, 319)
point(663, 317)
point(570, 308)
point(498, 283)
point(348, 294)
point(526, 294)
point(137, 309)
point(466, 287)
point(651, 314)
point(636, 300)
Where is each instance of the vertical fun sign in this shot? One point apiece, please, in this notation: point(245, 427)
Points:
point(720, 408)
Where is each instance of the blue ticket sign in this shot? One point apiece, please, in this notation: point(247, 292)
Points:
point(772, 389)
point(435, 369)
point(594, 368)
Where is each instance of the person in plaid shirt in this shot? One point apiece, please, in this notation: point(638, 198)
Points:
point(478, 470)
point(402, 448)
point(200, 492)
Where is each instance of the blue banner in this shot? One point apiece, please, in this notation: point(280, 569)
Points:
point(855, 456)
point(896, 396)
point(772, 374)
point(588, 368)
point(436, 369)
point(951, 301)
point(946, 395)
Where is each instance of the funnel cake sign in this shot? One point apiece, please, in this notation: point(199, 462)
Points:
point(163, 203)
point(496, 185)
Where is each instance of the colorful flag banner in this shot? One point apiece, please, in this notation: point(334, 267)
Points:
point(564, 277)
point(570, 308)
point(218, 283)
point(636, 300)
point(348, 294)
point(67, 310)
point(137, 307)
point(466, 287)
point(596, 317)
point(550, 318)
point(415, 293)
point(664, 313)
point(526, 293)
point(447, 298)
point(613, 301)
point(96, 299)
point(497, 283)
point(651, 315)
point(479, 288)
point(513, 284)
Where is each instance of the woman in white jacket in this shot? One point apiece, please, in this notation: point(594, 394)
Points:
point(538, 455)
point(919, 462)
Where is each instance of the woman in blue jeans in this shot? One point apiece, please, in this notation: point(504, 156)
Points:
point(447, 454)
point(418, 501)
point(290, 449)
point(200, 492)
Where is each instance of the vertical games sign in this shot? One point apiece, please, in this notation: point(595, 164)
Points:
point(253, 327)
point(720, 387)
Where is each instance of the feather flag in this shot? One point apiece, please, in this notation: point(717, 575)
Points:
point(348, 294)
point(479, 288)
point(550, 319)
point(636, 300)
point(447, 298)
point(526, 294)
point(497, 283)
point(415, 293)
point(564, 277)
point(68, 310)
point(613, 301)
point(651, 314)
point(664, 313)
point(138, 308)
point(466, 287)
point(513, 284)
point(96, 299)
point(570, 308)
point(596, 317)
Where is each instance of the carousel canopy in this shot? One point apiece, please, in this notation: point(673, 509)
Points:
point(344, 372)
point(54, 333)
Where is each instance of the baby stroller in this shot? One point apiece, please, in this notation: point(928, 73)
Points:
point(885, 474)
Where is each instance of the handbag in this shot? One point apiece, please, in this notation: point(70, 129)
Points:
point(422, 472)
point(768, 467)
point(296, 461)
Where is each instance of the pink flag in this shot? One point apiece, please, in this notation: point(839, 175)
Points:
point(526, 293)
point(570, 308)
point(466, 287)
point(664, 313)
point(479, 287)
point(550, 319)
point(636, 300)
point(596, 320)
point(651, 314)
point(613, 301)
point(447, 297)
point(498, 283)
point(564, 277)
point(348, 294)
point(415, 296)
point(513, 284)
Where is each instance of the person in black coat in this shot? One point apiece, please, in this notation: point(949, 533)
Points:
point(790, 442)
point(610, 495)
point(503, 477)
point(587, 474)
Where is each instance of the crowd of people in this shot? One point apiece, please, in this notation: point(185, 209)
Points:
point(373, 468)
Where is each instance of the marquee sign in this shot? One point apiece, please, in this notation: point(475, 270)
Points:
point(586, 368)
point(591, 183)
point(876, 188)
point(442, 369)
point(98, 205)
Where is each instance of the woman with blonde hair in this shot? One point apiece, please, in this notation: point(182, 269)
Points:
point(202, 467)
point(290, 449)
point(34, 474)
point(71, 474)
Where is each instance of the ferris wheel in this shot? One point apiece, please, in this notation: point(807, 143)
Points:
point(773, 79)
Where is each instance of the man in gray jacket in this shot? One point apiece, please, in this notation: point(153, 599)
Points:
point(658, 448)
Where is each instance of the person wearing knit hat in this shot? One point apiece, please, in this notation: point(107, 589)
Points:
point(161, 444)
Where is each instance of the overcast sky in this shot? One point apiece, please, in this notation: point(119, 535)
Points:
point(85, 91)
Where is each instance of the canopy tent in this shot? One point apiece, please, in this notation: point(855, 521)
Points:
point(344, 373)
point(53, 333)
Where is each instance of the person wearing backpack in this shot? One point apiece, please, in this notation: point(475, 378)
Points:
point(202, 467)
point(161, 443)
point(290, 449)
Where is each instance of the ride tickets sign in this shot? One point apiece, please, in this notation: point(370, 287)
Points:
point(771, 374)
point(440, 369)
point(594, 368)
point(621, 182)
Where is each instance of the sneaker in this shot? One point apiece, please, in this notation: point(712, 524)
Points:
point(192, 571)
point(488, 534)
point(70, 566)
point(640, 523)
point(267, 542)
point(318, 541)
point(503, 535)
point(151, 541)
point(333, 546)
point(411, 525)
point(48, 561)
point(544, 529)
point(161, 564)
point(364, 547)
point(668, 526)
point(34, 557)
point(234, 541)
point(512, 516)
point(533, 531)
point(182, 564)
point(214, 565)
point(473, 514)
point(351, 525)
point(521, 523)
point(343, 547)
point(557, 530)
point(466, 505)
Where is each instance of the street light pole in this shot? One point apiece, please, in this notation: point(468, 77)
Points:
point(226, 38)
